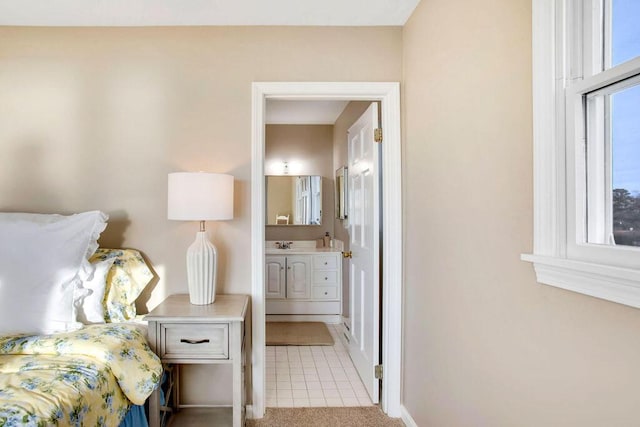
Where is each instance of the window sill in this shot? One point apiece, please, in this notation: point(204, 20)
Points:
point(616, 284)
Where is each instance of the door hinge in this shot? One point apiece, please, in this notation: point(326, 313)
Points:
point(378, 372)
point(377, 134)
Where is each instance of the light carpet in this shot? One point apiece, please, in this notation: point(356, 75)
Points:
point(298, 333)
point(369, 416)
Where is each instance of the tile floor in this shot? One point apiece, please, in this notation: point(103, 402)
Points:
point(305, 376)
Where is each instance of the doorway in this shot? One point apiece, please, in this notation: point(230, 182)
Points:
point(388, 95)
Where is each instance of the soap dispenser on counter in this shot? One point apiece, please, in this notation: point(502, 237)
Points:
point(326, 239)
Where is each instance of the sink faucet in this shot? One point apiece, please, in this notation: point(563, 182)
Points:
point(283, 245)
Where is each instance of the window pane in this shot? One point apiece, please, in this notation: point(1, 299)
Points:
point(625, 30)
point(625, 170)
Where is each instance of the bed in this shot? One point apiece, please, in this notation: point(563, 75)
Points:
point(72, 349)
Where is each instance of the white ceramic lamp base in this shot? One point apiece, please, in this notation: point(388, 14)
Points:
point(201, 270)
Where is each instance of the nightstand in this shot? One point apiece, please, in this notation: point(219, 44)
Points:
point(218, 333)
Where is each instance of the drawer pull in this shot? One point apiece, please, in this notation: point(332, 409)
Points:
point(194, 341)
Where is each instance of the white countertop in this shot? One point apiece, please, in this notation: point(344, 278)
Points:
point(300, 247)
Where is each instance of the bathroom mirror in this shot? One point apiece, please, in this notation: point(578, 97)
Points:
point(341, 193)
point(294, 200)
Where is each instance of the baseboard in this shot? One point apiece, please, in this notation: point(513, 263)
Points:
point(406, 417)
point(326, 318)
point(248, 412)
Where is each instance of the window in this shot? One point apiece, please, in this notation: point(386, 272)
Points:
point(613, 164)
point(621, 23)
point(587, 146)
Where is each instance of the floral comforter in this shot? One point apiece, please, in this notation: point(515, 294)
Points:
point(87, 377)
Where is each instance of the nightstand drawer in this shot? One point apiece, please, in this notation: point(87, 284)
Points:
point(195, 341)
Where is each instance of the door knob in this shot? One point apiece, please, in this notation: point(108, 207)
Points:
point(346, 254)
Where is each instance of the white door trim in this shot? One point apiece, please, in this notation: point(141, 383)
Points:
point(389, 95)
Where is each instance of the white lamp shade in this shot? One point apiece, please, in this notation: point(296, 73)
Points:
point(200, 196)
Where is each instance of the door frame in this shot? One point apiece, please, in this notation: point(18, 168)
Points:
point(388, 93)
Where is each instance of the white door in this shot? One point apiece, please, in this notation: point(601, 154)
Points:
point(364, 220)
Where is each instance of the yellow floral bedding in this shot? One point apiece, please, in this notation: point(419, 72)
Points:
point(127, 278)
point(87, 377)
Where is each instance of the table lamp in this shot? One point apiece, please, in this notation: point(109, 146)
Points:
point(200, 196)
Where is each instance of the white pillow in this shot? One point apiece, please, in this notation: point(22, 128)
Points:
point(90, 295)
point(42, 260)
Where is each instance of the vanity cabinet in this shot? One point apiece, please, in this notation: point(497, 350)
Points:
point(304, 284)
point(288, 277)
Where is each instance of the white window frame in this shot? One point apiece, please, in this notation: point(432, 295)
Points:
point(563, 71)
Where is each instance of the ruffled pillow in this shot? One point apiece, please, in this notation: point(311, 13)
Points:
point(43, 258)
point(89, 299)
point(126, 280)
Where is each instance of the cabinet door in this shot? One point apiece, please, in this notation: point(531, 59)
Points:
point(275, 277)
point(298, 277)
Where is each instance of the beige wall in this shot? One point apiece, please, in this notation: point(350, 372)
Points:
point(484, 344)
point(95, 118)
point(308, 150)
